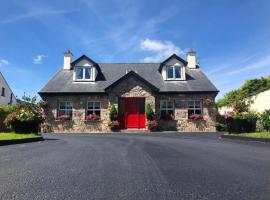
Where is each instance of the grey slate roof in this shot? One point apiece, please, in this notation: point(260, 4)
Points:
point(62, 82)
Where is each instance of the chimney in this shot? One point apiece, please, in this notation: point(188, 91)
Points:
point(67, 59)
point(191, 58)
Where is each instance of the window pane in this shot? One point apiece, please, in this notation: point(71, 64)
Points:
point(69, 112)
point(198, 112)
point(90, 105)
point(191, 104)
point(177, 72)
point(68, 105)
point(163, 113)
point(97, 112)
point(197, 104)
point(170, 112)
point(169, 104)
point(97, 105)
point(170, 72)
point(87, 73)
point(90, 112)
point(79, 73)
point(62, 105)
point(163, 104)
point(61, 112)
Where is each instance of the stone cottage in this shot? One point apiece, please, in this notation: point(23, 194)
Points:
point(176, 89)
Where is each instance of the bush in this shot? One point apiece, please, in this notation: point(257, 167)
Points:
point(149, 112)
point(265, 120)
point(152, 125)
point(221, 127)
point(26, 118)
point(242, 123)
point(113, 113)
point(5, 110)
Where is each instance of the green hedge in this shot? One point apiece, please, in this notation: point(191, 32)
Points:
point(4, 111)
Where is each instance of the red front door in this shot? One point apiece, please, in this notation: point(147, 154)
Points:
point(132, 112)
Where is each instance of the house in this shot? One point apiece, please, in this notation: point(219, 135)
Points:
point(174, 87)
point(258, 103)
point(7, 97)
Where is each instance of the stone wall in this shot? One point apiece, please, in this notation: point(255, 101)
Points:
point(182, 123)
point(131, 87)
point(78, 124)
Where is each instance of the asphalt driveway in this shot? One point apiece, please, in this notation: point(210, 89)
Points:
point(154, 166)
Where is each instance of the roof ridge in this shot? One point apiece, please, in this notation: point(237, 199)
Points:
point(127, 63)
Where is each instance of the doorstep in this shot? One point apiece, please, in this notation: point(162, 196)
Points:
point(134, 130)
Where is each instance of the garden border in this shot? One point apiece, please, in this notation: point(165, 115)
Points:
point(20, 141)
point(246, 138)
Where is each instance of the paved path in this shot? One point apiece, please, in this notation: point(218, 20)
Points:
point(156, 166)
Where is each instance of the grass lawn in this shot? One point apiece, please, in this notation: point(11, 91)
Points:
point(254, 135)
point(16, 136)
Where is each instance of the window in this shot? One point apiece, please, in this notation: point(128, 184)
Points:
point(166, 109)
point(84, 73)
point(3, 92)
point(93, 107)
point(65, 108)
point(173, 72)
point(194, 107)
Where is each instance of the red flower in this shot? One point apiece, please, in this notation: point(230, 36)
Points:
point(196, 117)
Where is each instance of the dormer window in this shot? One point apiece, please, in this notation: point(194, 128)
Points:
point(174, 72)
point(84, 74)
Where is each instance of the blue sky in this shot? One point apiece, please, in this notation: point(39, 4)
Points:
point(231, 38)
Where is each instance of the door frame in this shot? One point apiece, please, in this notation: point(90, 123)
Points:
point(122, 117)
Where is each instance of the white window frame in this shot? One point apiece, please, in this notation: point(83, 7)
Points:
point(93, 109)
point(194, 107)
point(84, 69)
point(174, 67)
point(65, 109)
point(166, 109)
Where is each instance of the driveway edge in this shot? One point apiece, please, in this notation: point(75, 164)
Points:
point(20, 141)
point(246, 138)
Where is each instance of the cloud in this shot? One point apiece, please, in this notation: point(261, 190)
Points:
point(32, 14)
point(38, 59)
point(160, 49)
point(264, 62)
point(4, 62)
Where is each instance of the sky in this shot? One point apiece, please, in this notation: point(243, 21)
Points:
point(231, 37)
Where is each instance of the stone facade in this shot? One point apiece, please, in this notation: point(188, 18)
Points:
point(131, 87)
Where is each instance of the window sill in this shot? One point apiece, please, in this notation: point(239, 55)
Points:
point(93, 121)
point(87, 80)
point(57, 120)
point(199, 120)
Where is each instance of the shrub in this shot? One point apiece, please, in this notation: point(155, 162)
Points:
point(265, 120)
point(113, 113)
point(27, 117)
point(239, 123)
point(5, 110)
point(149, 112)
point(114, 125)
point(220, 127)
point(152, 125)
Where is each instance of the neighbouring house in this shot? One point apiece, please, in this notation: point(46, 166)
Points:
point(7, 97)
point(259, 103)
point(175, 87)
